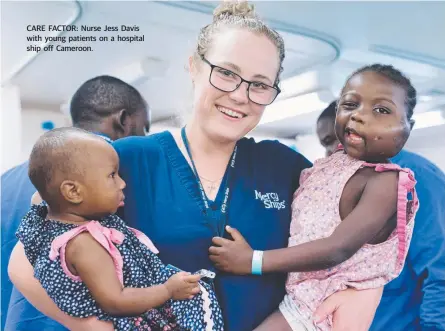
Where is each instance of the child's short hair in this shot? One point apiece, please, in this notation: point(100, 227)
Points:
point(103, 96)
point(56, 154)
point(398, 78)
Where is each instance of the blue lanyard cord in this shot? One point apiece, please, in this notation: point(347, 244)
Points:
point(225, 203)
point(107, 139)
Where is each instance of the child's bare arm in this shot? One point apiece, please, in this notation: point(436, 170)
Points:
point(375, 209)
point(96, 269)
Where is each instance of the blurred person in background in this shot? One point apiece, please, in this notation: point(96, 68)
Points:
point(326, 129)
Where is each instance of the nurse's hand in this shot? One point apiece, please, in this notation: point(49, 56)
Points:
point(351, 310)
point(234, 256)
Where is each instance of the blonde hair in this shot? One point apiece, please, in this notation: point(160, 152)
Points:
point(237, 14)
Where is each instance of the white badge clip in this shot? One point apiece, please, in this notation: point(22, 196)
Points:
point(206, 273)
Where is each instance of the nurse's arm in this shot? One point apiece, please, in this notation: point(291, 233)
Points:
point(21, 274)
point(351, 310)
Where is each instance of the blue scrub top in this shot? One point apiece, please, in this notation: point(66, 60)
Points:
point(164, 201)
point(17, 191)
point(415, 301)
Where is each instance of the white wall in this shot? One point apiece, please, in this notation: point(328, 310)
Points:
point(32, 120)
point(310, 147)
point(430, 143)
point(20, 133)
point(11, 121)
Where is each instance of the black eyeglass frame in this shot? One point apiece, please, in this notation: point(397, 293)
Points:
point(212, 66)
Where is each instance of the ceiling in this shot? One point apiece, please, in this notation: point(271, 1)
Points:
point(325, 42)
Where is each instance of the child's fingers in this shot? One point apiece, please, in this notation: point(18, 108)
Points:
point(183, 273)
point(236, 235)
point(192, 278)
point(194, 291)
point(213, 250)
point(221, 241)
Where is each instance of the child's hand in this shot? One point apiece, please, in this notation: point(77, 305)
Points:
point(234, 256)
point(183, 285)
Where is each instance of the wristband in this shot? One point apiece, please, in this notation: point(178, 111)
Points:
point(257, 262)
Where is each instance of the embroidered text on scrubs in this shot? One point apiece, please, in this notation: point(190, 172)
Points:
point(270, 200)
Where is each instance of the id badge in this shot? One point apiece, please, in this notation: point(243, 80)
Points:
point(203, 272)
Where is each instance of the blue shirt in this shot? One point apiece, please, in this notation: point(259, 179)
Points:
point(415, 301)
point(17, 191)
point(164, 201)
point(17, 314)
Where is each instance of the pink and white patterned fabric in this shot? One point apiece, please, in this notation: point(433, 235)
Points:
point(315, 215)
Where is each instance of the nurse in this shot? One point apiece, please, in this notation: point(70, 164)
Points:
point(184, 188)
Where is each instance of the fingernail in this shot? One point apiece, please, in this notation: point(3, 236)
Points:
point(228, 227)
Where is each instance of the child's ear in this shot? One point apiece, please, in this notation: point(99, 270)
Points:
point(71, 190)
point(36, 199)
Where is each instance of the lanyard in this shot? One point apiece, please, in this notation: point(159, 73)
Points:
point(108, 140)
point(223, 213)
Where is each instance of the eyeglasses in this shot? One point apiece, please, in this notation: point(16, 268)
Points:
point(228, 81)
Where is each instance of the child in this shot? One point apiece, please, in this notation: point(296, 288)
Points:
point(87, 259)
point(351, 219)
